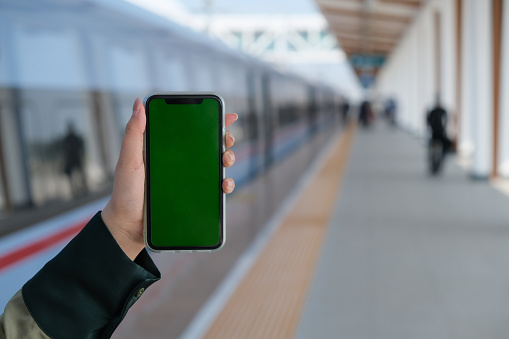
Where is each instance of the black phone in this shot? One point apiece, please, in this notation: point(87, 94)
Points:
point(184, 144)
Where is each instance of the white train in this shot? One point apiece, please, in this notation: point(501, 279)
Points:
point(82, 63)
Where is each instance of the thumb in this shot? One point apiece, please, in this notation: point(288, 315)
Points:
point(131, 151)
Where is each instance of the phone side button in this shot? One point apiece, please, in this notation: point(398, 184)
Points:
point(185, 251)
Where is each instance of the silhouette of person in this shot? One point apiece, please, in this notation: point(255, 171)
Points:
point(74, 164)
point(365, 113)
point(390, 111)
point(437, 122)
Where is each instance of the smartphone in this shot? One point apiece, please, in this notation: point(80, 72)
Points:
point(184, 199)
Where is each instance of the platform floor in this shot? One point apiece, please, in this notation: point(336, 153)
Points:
point(407, 255)
point(364, 245)
point(398, 254)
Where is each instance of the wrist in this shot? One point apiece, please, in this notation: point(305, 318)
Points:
point(129, 245)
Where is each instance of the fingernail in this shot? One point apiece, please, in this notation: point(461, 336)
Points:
point(231, 156)
point(236, 117)
point(229, 184)
point(232, 139)
point(136, 106)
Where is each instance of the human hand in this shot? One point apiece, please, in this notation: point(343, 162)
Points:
point(123, 215)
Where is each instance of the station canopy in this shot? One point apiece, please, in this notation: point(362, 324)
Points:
point(368, 30)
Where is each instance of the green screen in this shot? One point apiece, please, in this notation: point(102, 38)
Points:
point(184, 171)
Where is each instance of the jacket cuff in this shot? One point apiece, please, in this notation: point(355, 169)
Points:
point(86, 290)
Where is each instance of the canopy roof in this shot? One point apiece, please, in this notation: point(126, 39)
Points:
point(368, 30)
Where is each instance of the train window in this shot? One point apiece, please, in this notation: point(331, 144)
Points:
point(63, 157)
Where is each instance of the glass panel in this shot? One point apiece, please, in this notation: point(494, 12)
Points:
point(63, 157)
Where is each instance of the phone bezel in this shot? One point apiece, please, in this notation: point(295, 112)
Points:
point(222, 196)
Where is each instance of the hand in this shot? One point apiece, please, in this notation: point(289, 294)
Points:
point(123, 215)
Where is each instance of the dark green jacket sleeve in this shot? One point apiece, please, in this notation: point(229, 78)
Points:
point(87, 289)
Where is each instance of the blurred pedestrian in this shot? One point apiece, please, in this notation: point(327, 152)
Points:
point(74, 161)
point(390, 111)
point(439, 143)
point(365, 114)
point(437, 122)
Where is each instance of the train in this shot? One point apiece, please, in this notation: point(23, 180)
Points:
point(82, 63)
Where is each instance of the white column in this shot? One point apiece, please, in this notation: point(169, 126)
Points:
point(468, 95)
point(422, 56)
point(448, 57)
point(483, 75)
point(426, 58)
point(504, 99)
point(413, 77)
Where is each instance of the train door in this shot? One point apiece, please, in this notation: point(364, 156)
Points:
point(80, 110)
point(43, 79)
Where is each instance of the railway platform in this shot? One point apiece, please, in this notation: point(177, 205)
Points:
point(366, 245)
point(376, 248)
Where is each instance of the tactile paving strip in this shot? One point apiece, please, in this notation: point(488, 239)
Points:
point(269, 300)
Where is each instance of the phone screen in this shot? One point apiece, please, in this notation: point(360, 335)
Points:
point(184, 172)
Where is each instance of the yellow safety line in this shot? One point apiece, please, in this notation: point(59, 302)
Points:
point(269, 300)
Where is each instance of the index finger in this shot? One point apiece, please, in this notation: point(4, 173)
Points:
point(230, 118)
